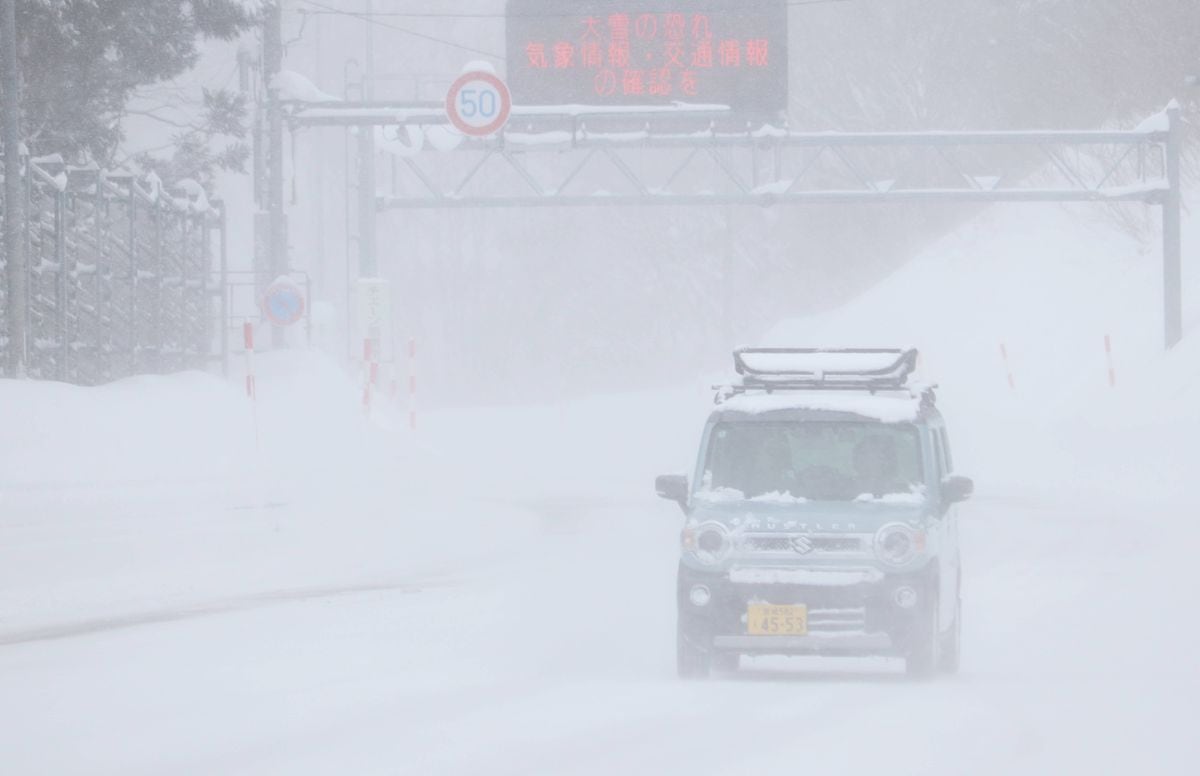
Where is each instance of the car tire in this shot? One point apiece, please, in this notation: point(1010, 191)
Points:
point(924, 651)
point(952, 644)
point(693, 661)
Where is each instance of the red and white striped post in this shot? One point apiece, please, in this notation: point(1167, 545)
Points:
point(1112, 370)
point(412, 384)
point(248, 337)
point(1012, 383)
point(251, 383)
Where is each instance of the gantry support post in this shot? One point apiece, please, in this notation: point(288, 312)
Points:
point(1172, 233)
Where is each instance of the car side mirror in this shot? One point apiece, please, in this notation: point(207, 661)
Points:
point(673, 487)
point(956, 489)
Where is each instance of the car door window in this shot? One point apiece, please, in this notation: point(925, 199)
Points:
point(939, 455)
point(948, 459)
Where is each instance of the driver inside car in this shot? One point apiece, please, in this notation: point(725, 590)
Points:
point(877, 466)
point(774, 471)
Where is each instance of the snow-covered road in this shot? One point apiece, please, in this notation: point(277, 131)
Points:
point(555, 655)
point(495, 595)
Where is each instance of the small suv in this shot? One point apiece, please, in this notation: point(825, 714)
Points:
point(821, 519)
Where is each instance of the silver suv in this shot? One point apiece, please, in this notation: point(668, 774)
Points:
point(821, 518)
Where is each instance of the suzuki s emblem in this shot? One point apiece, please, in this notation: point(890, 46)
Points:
point(802, 544)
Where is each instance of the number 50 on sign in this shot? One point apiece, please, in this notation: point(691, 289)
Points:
point(478, 104)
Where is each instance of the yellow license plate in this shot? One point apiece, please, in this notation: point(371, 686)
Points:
point(773, 620)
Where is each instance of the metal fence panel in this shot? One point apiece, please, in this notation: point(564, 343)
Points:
point(117, 276)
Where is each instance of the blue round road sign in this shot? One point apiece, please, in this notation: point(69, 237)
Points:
point(283, 303)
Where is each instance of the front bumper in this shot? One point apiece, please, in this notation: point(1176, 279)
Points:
point(813, 644)
point(850, 611)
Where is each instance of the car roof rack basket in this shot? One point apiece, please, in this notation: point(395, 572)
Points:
point(792, 369)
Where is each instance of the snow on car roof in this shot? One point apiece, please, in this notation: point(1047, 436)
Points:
point(890, 407)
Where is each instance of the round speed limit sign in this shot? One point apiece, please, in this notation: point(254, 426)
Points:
point(478, 104)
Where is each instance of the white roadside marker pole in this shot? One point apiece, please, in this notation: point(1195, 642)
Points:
point(1108, 354)
point(1012, 383)
point(412, 384)
point(369, 372)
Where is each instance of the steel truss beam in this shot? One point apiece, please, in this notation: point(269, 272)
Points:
point(800, 169)
point(697, 157)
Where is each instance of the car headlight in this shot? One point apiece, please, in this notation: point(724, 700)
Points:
point(709, 543)
point(898, 544)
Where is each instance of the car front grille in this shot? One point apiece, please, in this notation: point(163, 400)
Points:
point(789, 543)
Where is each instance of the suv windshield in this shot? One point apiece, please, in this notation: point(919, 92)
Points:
point(818, 460)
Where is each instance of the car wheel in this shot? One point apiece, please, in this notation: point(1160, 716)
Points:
point(693, 660)
point(952, 644)
point(924, 650)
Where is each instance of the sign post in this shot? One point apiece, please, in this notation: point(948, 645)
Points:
point(374, 327)
point(374, 310)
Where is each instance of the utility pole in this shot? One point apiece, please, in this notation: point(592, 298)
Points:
point(319, 161)
point(367, 265)
point(14, 191)
point(277, 262)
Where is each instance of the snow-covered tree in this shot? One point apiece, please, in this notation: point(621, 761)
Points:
point(200, 149)
point(82, 60)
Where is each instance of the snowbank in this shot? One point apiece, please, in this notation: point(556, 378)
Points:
point(1033, 291)
point(155, 496)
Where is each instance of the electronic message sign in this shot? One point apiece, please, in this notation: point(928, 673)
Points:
point(649, 52)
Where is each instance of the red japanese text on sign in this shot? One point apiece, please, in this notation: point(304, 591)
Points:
point(647, 26)
point(618, 26)
point(675, 26)
point(537, 55)
point(606, 83)
point(564, 55)
point(757, 52)
point(591, 55)
point(731, 53)
point(649, 51)
point(687, 83)
point(673, 54)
